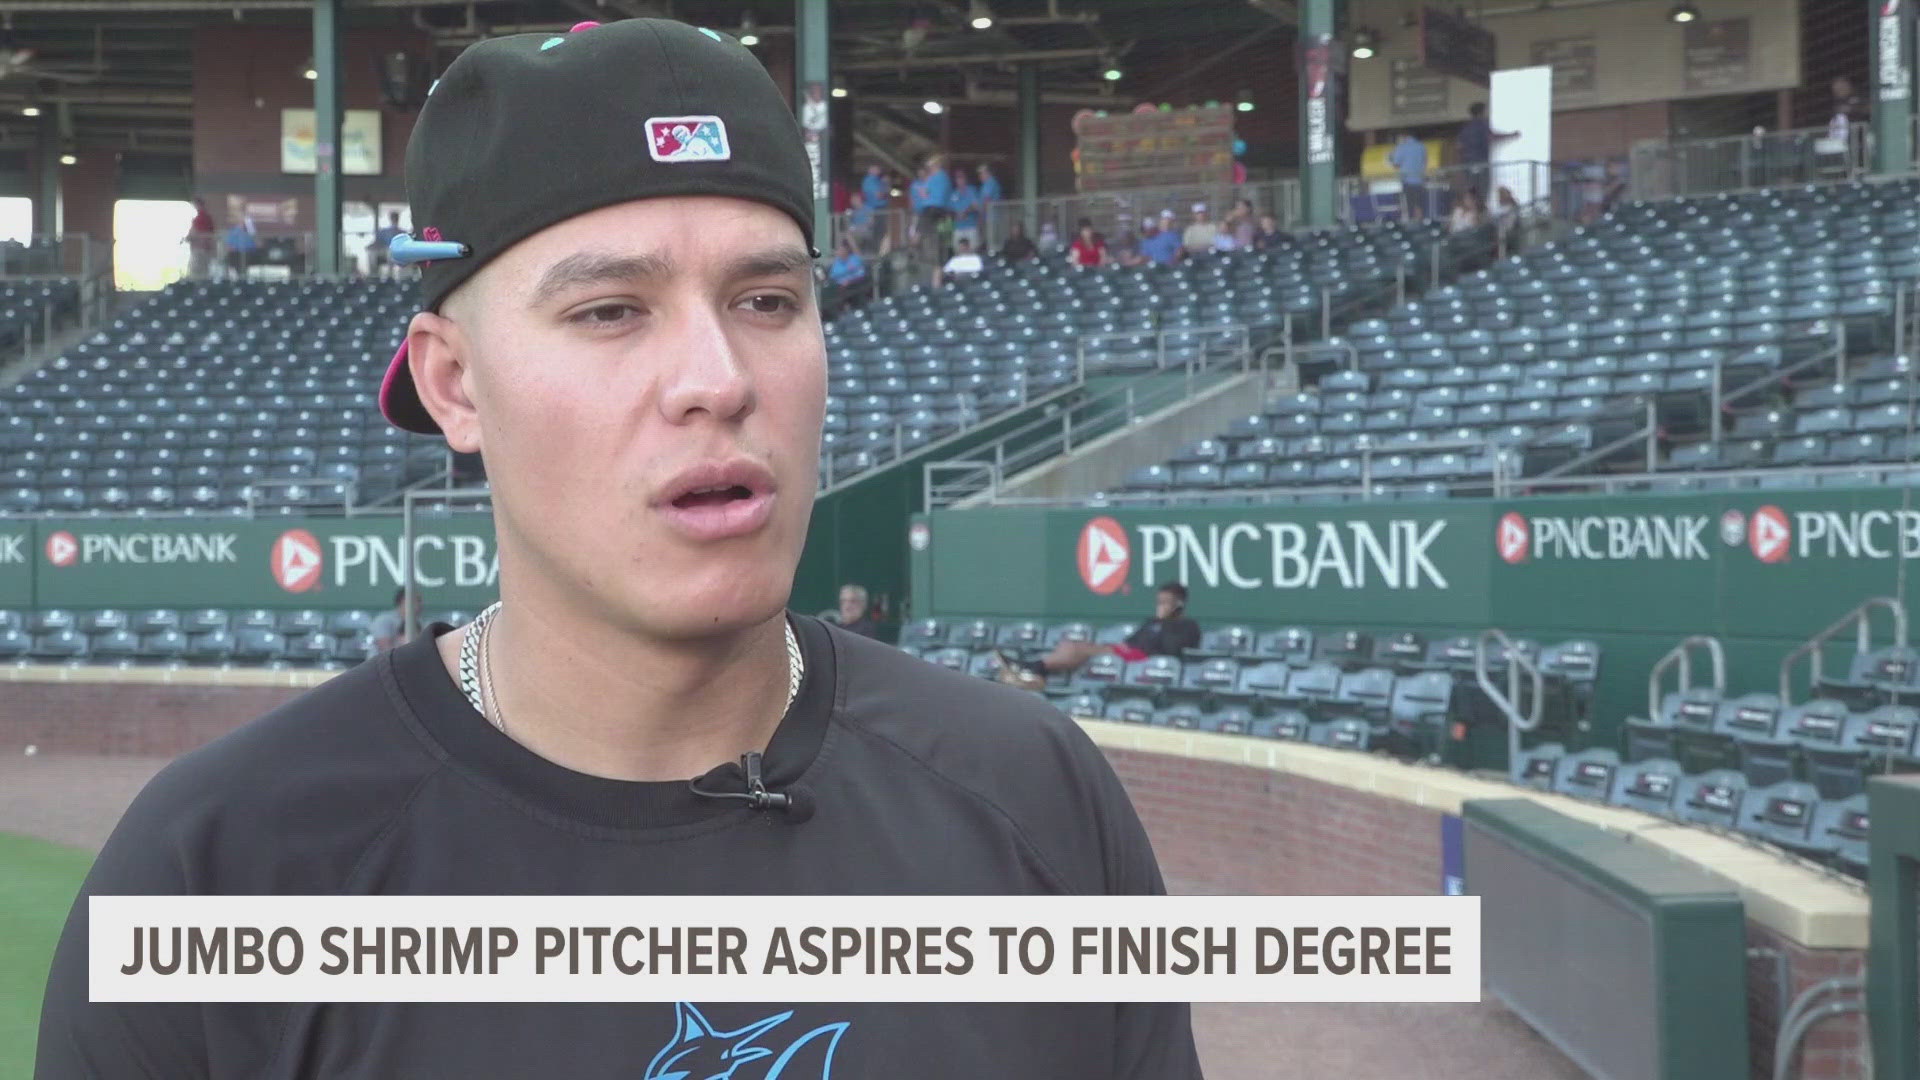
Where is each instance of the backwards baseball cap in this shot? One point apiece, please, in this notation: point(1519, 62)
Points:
point(526, 131)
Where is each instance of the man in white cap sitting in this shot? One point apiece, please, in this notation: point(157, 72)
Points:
point(1201, 234)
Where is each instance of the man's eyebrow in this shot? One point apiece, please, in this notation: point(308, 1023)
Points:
point(597, 268)
point(774, 263)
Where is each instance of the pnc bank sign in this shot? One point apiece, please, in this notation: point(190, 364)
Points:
point(1395, 554)
point(301, 562)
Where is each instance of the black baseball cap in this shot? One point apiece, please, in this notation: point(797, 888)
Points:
point(526, 131)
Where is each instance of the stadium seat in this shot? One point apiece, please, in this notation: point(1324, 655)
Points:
point(15, 644)
point(1537, 765)
point(924, 633)
point(1289, 724)
point(254, 645)
point(1227, 720)
point(1293, 644)
point(1646, 785)
point(1711, 798)
point(1130, 709)
point(162, 646)
point(1845, 823)
point(102, 621)
point(1341, 732)
point(952, 656)
point(1783, 813)
point(1745, 735)
point(1651, 737)
point(1587, 774)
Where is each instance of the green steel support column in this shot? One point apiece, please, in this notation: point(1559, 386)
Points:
point(1893, 984)
point(812, 66)
point(1029, 100)
point(1319, 112)
point(46, 204)
point(326, 138)
point(1893, 33)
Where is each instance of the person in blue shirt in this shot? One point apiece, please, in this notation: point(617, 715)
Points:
point(859, 221)
point(989, 195)
point(1409, 158)
point(242, 244)
point(1163, 246)
point(874, 186)
point(848, 267)
point(965, 203)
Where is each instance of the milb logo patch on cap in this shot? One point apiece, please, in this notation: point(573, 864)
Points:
point(687, 138)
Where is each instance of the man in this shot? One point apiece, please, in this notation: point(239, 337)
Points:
point(1201, 233)
point(634, 349)
point(874, 186)
point(389, 628)
point(965, 262)
point(383, 236)
point(989, 194)
point(855, 616)
point(965, 204)
point(1409, 158)
point(1475, 145)
point(1019, 245)
point(1169, 633)
point(243, 241)
point(1161, 245)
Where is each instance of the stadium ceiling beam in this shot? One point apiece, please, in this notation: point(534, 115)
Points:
point(1000, 98)
point(892, 63)
point(1211, 61)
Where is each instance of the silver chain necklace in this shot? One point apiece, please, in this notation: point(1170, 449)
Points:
point(476, 667)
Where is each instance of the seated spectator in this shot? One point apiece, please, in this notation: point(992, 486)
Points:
point(1267, 236)
point(860, 220)
point(848, 267)
point(855, 615)
point(1161, 245)
point(389, 628)
point(1468, 212)
point(1019, 245)
point(965, 262)
point(1240, 224)
point(1049, 242)
point(1135, 254)
point(1169, 633)
point(1089, 249)
point(1506, 219)
point(1126, 250)
point(1200, 235)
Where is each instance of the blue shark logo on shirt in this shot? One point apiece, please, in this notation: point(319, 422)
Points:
point(698, 1051)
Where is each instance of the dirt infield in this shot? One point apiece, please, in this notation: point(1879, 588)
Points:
point(75, 800)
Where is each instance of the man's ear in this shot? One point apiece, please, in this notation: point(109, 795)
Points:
point(440, 359)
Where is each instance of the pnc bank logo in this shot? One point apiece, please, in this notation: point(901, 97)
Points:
point(62, 548)
point(297, 561)
point(1512, 537)
point(1769, 535)
point(1104, 555)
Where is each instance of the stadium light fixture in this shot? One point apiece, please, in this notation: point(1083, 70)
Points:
point(838, 90)
point(31, 110)
point(68, 158)
point(934, 107)
point(310, 73)
point(1111, 72)
point(1683, 13)
point(1365, 44)
point(979, 15)
point(749, 35)
point(1245, 104)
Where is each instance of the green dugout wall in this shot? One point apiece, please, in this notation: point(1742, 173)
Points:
point(1761, 570)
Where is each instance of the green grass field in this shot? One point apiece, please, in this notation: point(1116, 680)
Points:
point(38, 881)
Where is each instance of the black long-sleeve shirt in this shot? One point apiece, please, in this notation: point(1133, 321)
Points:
point(385, 781)
point(1166, 637)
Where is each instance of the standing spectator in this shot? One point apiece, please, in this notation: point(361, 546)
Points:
point(1409, 158)
point(989, 195)
point(938, 213)
point(1162, 245)
point(1469, 212)
point(242, 242)
point(1267, 237)
point(965, 203)
point(1049, 242)
point(200, 241)
point(874, 186)
point(377, 251)
point(917, 202)
point(1019, 245)
point(1475, 143)
point(389, 628)
point(1089, 249)
point(1201, 233)
point(855, 615)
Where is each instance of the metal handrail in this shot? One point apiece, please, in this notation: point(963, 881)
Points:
point(1649, 433)
point(1723, 398)
point(254, 486)
point(1517, 664)
point(1052, 435)
point(1682, 654)
point(1859, 617)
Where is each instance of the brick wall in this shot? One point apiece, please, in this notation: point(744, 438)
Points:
point(1221, 828)
point(126, 718)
